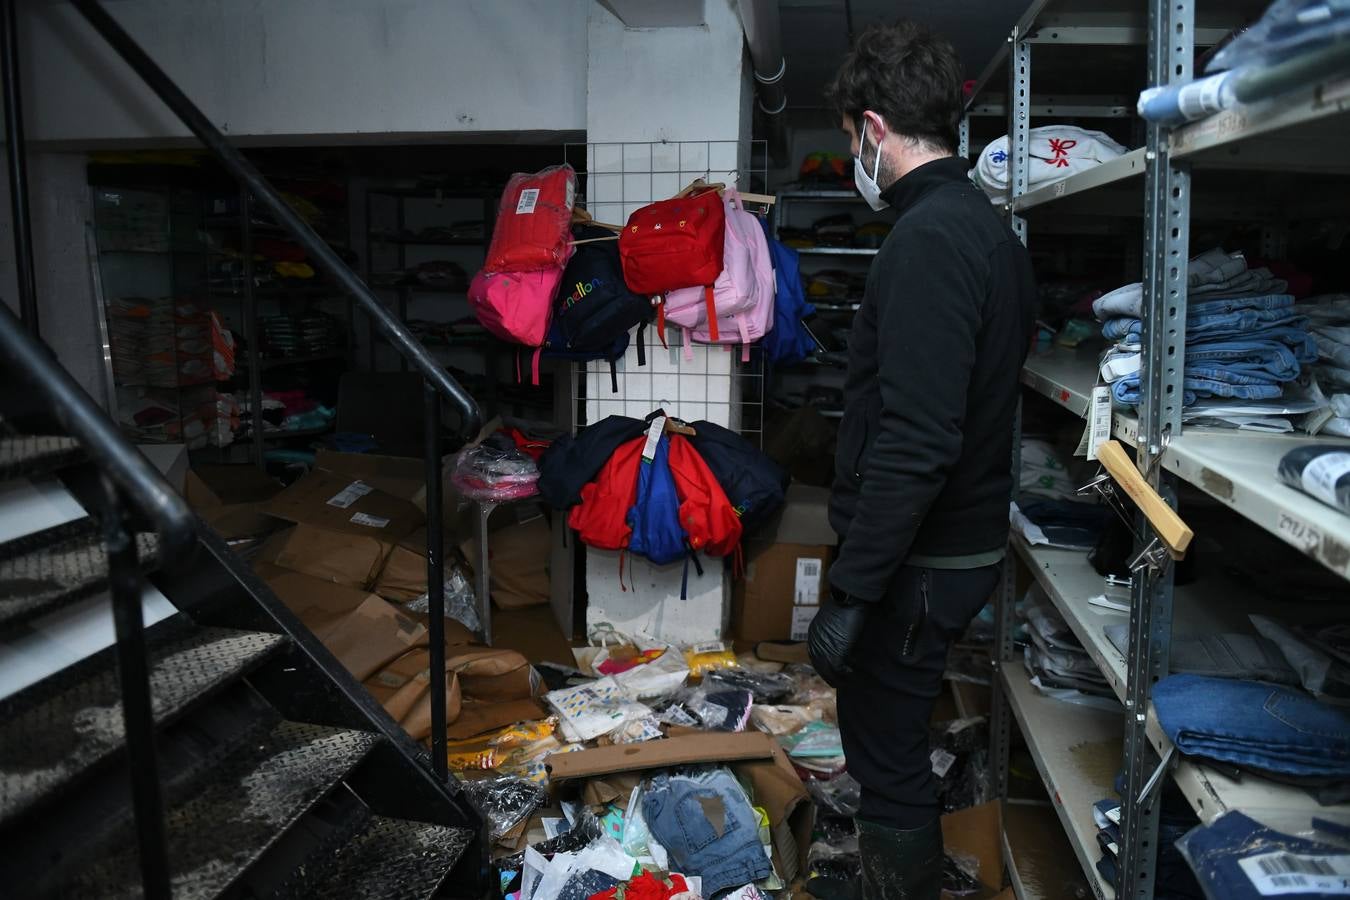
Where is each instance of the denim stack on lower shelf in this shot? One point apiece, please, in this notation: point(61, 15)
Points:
point(1244, 340)
point(1173, 880)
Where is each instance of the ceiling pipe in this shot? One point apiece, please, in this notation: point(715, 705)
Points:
point(764, 37)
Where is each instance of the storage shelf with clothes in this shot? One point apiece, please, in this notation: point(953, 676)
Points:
point(1242, 174)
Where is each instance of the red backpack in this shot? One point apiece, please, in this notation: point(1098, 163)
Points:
point(601, 518)
point(674, 243)
point(534, 222)
point(705, 512)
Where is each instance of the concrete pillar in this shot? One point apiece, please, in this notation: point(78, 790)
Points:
point(664, 106)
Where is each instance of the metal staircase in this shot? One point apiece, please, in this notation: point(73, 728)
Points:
point(220, 751)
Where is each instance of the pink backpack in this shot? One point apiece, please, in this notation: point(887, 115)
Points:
point(516, 306)
point(742, 296)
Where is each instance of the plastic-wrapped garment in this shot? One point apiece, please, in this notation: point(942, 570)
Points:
point(585, 830)
point(1054, 152)
point(534, 222)
point(461, 603)
point(590, 710)
point(817, 740)
point(1322, 472)
point(491, 471)
point(767, 687)
point(505, 800)
point(1288, 28)
point(839, 796)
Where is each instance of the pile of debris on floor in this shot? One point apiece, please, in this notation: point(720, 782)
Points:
point(642, 770)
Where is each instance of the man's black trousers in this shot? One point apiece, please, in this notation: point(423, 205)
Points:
point(886, 703)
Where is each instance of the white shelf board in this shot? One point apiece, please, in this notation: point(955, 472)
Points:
point(1213, 604)
point(1245, 121)
point(1065, 376)
point(1238, 468)
point(836, 251)
point(1119, 169)
point(1077, 750)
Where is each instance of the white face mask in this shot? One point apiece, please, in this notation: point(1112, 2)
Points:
point(867, 184)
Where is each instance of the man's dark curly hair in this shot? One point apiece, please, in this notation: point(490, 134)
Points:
point(909, 76)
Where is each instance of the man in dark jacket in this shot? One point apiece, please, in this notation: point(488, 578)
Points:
point(922, 473)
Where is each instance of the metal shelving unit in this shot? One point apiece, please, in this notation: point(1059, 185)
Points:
point(1301, 131)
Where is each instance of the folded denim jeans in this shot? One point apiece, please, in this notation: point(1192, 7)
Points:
point(706, 824)
point(1255, 725)
point(1237, 858)
point(1219, 655)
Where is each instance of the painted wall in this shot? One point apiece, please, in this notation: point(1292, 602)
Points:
point(311, 67)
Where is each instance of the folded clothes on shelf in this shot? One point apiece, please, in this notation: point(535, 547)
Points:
point(1321, 669)
point(1054, 152)
point(1254, 725)
point(1219, 655)
point(1061, 523)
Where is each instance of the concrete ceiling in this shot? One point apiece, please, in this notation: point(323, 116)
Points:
point(816, 34)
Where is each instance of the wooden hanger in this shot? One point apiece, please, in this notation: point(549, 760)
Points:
point(675, 426)
point(1175, 534)
point(581, 217)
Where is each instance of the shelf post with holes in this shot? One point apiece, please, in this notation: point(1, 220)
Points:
point(1166, 252)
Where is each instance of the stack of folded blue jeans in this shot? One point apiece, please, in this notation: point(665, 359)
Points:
point(1329, 318)
point(1238, 858)
point(1278, 731)
point(1244, 340)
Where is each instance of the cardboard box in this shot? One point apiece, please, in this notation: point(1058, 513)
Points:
point(230, 499)
point(757, 760)
point(341, 559)
point(978, 832)
point(364, 632)
point(399, 476)
point(404, 576)
point(786, 572)
point(518, 555)
point(339, 503)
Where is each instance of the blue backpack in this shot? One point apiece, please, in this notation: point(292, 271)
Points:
point(655, 516)
point(788, 341)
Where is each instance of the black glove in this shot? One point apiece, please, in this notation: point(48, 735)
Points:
point(834, 633)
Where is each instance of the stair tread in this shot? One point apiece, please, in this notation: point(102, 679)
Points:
point(34, 454)
point(392, 858)
point(251, 799)
point(61, 727)
point(41, 571)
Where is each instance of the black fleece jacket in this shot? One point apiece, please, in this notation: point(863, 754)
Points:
point(923, 466)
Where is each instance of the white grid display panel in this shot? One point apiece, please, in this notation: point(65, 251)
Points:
point(614, 180)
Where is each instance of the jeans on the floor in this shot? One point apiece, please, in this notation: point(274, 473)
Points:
point(725, 850)
point(1255, 725)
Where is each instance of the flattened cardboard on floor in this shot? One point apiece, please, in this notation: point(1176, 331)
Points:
point(978, 832)
point(338, 502)
point(343, 559)
point(400, 476)
point(241, 514)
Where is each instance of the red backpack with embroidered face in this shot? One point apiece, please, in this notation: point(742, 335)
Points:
point(674, 243)
point(705, 512)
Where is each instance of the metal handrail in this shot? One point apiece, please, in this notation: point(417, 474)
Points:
point(137, 480)
point(318, 252)
point(437, 383)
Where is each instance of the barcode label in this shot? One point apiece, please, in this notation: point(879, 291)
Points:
point(350, 494)
point(802, 617)
point(368, 520)
point(1099, 421)
point(1273, 874)
point(708, 647)
point(653, 438)
point(806, 586)
point(528, 198)
point(942, 761)
point(1321, 475)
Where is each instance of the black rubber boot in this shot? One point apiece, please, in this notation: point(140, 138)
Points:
point(901, 864)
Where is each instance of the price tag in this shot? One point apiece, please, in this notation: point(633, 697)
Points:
point(654, 433)
point(942, 761)
point(528, 199)
point(802, 617)
point(1099, 419)
point(1274, 874)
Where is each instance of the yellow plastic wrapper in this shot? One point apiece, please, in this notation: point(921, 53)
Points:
point(524, 733)
point(708, 656)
